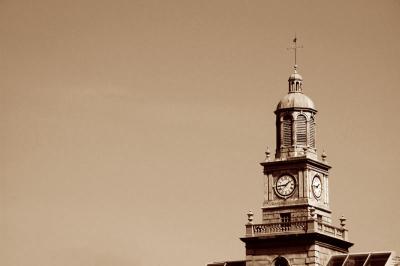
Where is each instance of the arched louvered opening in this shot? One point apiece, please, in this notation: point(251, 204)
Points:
point(301, 130)
point(286, 131)
point(312, 132)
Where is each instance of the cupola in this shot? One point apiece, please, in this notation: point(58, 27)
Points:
point(295, 81)
point(295, 122)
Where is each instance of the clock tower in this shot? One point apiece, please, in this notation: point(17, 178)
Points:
point(296, 226)
point(295, 180)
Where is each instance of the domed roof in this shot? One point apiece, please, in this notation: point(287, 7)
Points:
point(295, 99)
point(295, 76)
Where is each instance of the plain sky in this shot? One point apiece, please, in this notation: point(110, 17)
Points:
point(131, 131)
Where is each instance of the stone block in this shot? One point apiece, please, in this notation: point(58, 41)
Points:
point(312, 253)
point(311, 260)
point(299, 261)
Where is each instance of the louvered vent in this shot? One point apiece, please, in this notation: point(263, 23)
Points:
point(301, 130)
point(287, 131)
point(312, 132)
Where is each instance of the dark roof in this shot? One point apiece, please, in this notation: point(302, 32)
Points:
point(228, 263)
point(385, 258)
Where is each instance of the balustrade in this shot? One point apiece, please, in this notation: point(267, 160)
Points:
point(306, 226)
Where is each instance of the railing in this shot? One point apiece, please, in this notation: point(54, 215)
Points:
point(331, 230)
point(271, 228)
point(306, 226)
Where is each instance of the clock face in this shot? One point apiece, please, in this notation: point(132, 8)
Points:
point(285, 185)
point(316, 186)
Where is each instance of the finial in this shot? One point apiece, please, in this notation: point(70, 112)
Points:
point(267, 154)
point(342, 221)
point(323, 156)
point(250, 217)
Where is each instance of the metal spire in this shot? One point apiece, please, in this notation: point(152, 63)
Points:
point(294, 47)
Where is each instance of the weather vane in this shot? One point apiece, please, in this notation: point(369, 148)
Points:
point(294, 47)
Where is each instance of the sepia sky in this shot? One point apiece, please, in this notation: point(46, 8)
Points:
point(131, 131)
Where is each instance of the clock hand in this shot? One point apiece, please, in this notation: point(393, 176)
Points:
point(284, 185)
point(288, 183)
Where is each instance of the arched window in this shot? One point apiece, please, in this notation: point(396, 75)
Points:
point(281, 261)
point(301, 130)
point(287, 131)
point(312, 132)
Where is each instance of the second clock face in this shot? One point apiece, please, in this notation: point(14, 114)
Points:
point(317, 186)
point(285, 185)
